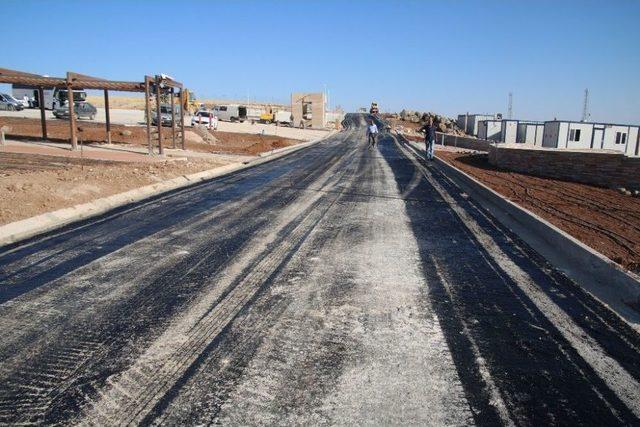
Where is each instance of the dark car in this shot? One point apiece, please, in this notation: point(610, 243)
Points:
point(8, 102)
point(82, 109)
point(165, 115)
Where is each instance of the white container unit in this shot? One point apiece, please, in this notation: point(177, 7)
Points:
point(530, 133)
point(489, 129)
point(582, 135)
point(509, 131)
point(470, 122)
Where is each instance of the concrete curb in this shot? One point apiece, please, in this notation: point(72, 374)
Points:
point(594, 272)
point(29, 227)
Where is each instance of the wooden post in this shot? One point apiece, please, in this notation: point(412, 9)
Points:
point(43, 117)
point(182, 104)
point(106, 112)
point(173, 120)
point(72, 115)
point(148, 111)
point(159, 115)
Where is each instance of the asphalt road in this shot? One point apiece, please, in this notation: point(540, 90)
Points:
point(337, 285)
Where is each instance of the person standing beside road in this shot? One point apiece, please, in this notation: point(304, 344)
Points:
point(372, 132)
point(429, 130)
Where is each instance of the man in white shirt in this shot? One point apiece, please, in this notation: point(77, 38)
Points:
point(372, 132)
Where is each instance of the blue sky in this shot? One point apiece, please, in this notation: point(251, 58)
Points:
point(443, 56)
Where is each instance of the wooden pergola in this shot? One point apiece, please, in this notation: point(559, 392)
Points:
point(158, 85)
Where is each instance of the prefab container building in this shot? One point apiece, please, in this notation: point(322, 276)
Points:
point(509, 131)
point(530, 133)
point(489, 129)
point(469, 122)
point(582, 135)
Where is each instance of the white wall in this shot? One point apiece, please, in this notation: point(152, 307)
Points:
point(629, 146)
point(509, 131)
point(489, 129)
point(527, 133)
point(586, 133)
point(539, 133)
point(633, 145)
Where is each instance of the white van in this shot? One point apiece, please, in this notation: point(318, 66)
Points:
point(230, 113)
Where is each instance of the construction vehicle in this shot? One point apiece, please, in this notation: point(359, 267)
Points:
point(190, 104)
point(374, 108)
point(280, 118)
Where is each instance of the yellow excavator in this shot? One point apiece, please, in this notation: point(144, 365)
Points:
point(189, 100)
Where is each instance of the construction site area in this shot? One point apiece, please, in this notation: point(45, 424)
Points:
point(194, 232)
point(121, 143)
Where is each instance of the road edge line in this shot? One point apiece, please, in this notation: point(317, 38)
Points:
point(17, 231)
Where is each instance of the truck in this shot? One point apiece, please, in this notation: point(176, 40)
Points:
point(53, 97)
point(231, 113)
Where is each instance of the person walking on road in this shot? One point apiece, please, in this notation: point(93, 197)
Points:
point(429, 130)
point(372, 132)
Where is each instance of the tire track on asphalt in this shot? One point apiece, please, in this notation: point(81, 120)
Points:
point(618, 379)
point(134, 394)
point(42, 401)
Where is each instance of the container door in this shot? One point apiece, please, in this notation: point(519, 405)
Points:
point(597, 141)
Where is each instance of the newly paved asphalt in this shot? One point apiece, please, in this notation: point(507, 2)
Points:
point(337, 285)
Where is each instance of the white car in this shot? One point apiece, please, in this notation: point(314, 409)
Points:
point(204, 117)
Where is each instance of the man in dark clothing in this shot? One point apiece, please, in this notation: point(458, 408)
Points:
point(429, 130)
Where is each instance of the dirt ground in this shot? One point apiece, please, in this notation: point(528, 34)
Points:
point(33, 184)
point(602, 218)
point(228, 143)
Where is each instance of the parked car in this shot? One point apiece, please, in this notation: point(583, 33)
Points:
point(82, 109)
point(203, 117)
point(165, 115)
point(8, 102)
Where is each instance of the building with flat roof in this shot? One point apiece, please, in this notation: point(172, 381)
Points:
point(585, 135)
point(511, 131)
point(489, 129)
point(469, 122)
point(309, 109)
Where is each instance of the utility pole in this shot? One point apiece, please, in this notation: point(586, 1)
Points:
point(585, 106)
point(510, 113)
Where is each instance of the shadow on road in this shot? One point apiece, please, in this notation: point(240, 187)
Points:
point(491, 324)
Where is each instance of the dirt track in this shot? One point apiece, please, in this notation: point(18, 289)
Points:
point(601, 218)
